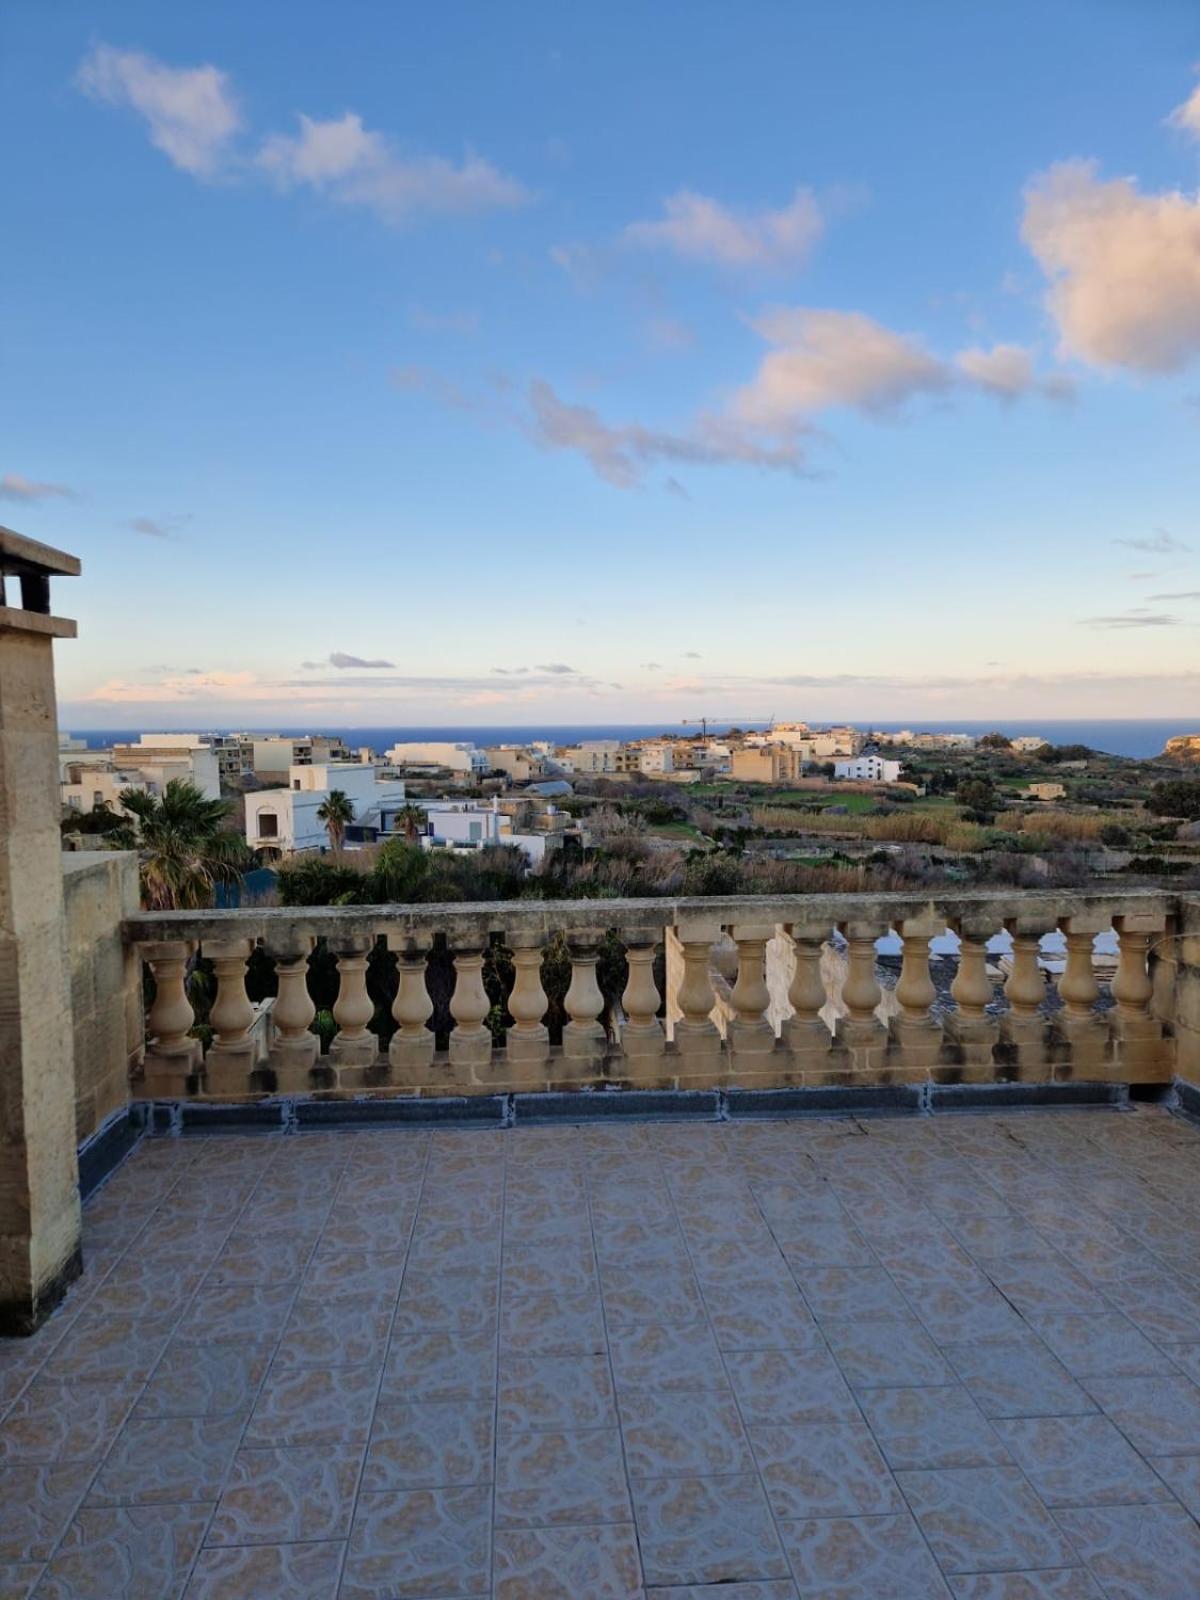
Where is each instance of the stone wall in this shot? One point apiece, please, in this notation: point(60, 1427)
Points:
point(1186, 993)
point(100, 889)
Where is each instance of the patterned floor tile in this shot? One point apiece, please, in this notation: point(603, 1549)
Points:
point(841, 1291)
point(862, 1558)
point(888, 1351)
point(287, 1496)
point(299, 1571)
point(937, 1427)
point(984, 1519)
point(567, 1563)
point(1138, 1552)
point(1159, 1416)
point(1016, 1378)
point(168, 1460)
point(1105, 1346)
point(759, 1317)
point(657, 1357)
point(706, 1531)
point(1034, 1286)
point(109, 1349)
point(205, 1380)
point(790, 1386)
point(827, 1470)
point(654, 1294)
point(126, 1553)
point(314, 1405)
point(560, 1477)
point(238, 1312)
point(556, 1392)
point(430, 1445)
point(420, 1543)
point(781, 1590)
point(553, 1325)
point(1080, 1461)
point(55, 1420)
point(38, 1503)
point(439, 1366)
point(17, 1581)
point(1073, 1583)
point(1181, 1474)
point(690, 1432)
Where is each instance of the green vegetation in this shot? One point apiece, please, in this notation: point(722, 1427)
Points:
point(184, 847)
point(337, 813)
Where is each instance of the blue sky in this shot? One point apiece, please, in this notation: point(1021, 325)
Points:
point(541, 363)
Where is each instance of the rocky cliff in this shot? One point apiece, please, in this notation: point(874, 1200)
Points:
point(1184, 747)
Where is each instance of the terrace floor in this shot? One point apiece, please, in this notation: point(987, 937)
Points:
point(888, 1359)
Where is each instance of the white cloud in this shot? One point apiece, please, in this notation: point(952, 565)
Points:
point(1138, 617)
point(1187, 116)
point(702, 229)
point(1159, 543)
point(354, 166)
point(26, 490)
point(1123, 267)
point(426, 321)
point(190, 112)
point(833, 358)
point(1007, 371)
point(339, 658)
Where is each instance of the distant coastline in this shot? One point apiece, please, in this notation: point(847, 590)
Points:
point(1138, 739)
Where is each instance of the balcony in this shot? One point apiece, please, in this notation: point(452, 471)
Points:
point(782, 1268)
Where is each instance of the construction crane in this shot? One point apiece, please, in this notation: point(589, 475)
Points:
point(703, 722)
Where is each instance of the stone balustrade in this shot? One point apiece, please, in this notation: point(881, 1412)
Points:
point(984, 1035)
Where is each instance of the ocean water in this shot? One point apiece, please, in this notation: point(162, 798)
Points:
point(1118, 737)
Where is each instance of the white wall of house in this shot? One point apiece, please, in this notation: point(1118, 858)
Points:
point(868, 769)
point(458, 757)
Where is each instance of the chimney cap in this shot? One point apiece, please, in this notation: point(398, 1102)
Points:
point(22, 557)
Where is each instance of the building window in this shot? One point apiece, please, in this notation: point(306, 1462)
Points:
point(268, 825)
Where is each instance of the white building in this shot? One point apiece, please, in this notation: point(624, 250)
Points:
point(457, 756)
point(149, 765)
point(868, 769)
point(286, 820)
point(1029, 741)
point(656, 760)
point(598, 756)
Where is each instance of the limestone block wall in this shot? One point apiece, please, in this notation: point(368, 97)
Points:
point(1186, 992)
point(100, 889)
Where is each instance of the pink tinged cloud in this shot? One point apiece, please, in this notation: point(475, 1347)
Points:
point(699, 228)
point(1123, 267)
point(27, 491)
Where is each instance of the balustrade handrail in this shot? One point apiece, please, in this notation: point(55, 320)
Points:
point(480, 920)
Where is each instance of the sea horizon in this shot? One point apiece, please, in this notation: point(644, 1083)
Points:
point(1135, 738)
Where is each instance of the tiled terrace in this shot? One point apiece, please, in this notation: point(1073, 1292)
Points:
point(864, 1359)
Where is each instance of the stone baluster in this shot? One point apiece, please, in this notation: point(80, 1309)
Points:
point(916, 1037)
point(231, 1058)
point(751, 1035)
point(642, 1038)
point(471, 1041)
point(1078, 1023)
point(969, 1028)
point(1023, 1027)
point(860, 1033)
point(355, 1049)
point(172, 1055)
point(527, 1047)
point(806, 1033)
point(294, 1048)
point(696, 1036)
point(410, 1053)
point(584, 1040)
point(1140, 1051)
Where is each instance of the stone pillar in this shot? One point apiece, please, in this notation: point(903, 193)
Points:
point(970, 1028)
point(805, 1032)
point(39, 1175)
point(355, 1048)
point(1023, 1027)
point(527, 1046)
point(751, 1036)
point(294, 1049)
point(1077, 1025)
point(861, 1034)
point(470, 1042)
point(1140, 1051)
point(697, 1039)
point(916, 1038)
point(584, 1041)
point(172, 1057)
point(230, 1058)
point(410, 1053)
point(643, 1041)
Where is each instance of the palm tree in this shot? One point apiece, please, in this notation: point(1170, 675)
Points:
point(336, 813)
point(411, 821)
point(183, 845)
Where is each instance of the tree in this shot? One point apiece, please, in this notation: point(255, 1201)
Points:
point(978, 799)
point(337, 812)
point(183, 845)
point(995, 741)
point(1179, 797)
point(412, 822)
